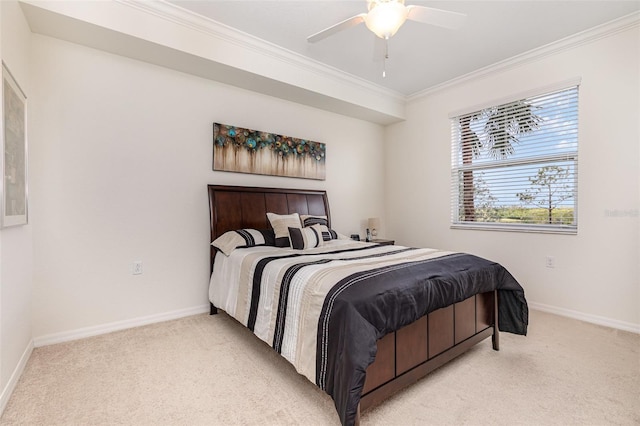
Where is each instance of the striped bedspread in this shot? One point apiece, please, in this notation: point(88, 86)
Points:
point(342, 297)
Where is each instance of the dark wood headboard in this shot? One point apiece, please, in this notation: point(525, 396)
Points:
point(238, 207)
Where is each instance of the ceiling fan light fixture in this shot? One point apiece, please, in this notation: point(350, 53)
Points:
point(385, 17)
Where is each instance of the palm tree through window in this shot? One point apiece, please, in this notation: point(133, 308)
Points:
point(515, 164)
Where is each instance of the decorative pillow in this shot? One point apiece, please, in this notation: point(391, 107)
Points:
point(327, 233)
point(306, 238)
point(231, 240)
point(281, 224)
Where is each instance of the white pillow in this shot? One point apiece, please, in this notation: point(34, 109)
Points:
point(231, 240)
point(281, 224)
point(306, 238)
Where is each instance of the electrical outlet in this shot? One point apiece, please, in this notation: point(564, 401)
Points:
point(550, 262)
point(137, 267)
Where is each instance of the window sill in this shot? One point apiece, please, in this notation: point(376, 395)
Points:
point(535, 229)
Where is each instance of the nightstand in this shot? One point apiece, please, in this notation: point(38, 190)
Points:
point(382, 242)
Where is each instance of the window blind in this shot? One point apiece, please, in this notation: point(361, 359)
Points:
point(515, 165)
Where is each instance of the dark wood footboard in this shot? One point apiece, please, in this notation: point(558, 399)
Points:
point(415, 350)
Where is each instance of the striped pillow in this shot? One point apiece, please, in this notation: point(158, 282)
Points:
point(327, 233)
point(281, 224)
point(231, 240)
point(305, 238)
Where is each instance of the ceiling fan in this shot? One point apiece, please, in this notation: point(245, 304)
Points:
point(385, 17)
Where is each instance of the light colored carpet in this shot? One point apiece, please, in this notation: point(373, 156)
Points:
point(208, 370)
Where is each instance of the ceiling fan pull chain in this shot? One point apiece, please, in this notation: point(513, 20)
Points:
point(385, 57)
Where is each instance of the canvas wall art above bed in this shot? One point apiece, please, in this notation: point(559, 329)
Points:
point(360, 320)
point(236, 149)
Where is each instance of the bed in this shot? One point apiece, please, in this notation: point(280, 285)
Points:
point(360, 320)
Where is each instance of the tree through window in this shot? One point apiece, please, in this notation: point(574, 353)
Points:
point(514, 165)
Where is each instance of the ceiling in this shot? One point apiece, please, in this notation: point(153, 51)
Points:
point(420, 56)
point(261, 45)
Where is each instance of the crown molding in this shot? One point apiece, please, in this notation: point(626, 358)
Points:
point(584, 37)
point(166, 35)
point(221, 31)
point(259, 66)
point(181, 16)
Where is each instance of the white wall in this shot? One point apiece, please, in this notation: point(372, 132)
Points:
point(16, 254)
point(596, 275)
point(121, 156)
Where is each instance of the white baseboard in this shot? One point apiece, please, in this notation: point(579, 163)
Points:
point(13, 381)
point(81, 333)
point(594, 319)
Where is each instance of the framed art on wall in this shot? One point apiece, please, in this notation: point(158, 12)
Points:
point(240, 150)
point(14, 152)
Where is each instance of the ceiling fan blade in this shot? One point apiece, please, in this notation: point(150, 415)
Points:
point(347, 23)
point(438, 17)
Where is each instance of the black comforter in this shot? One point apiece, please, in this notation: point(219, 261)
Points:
point(366, 306)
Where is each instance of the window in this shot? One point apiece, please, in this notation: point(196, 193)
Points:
point(515, 165)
